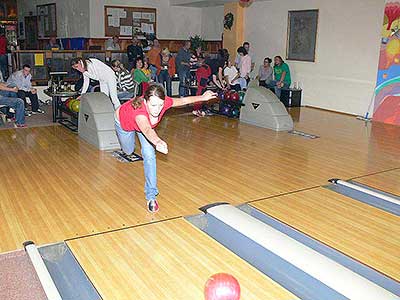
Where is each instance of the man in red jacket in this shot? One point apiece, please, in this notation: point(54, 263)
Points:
point(3, 56)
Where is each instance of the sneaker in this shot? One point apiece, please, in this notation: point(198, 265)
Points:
point(198, 113)
point(208, 112)
point(152, 206)
point(39, 111)
point(19, 125)
point(28, 113)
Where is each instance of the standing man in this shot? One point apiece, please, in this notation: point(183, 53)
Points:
point(153, 56)
point(134, 51)
point(3, 54)
point(183, 68)
point(22, 80)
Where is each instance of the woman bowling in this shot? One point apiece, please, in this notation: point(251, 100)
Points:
point(93, 68)
point(140, 116)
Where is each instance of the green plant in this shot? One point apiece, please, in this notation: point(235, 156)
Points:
point(197, 41)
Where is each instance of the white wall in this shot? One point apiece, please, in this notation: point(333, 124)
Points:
point(72, 15)
point(212, 22)
point(343, 76)
point(85, 18)
point(173, 22)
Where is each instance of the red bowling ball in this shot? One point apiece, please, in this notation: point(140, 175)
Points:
point(227, 95)
point(222, 286)
point(235, 96)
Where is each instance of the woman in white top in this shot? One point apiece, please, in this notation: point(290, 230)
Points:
point(232, 77)
point(93, 68)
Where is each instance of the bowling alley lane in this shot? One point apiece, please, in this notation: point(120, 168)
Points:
point(385, 181)
point(363, 232)
point(167, 260)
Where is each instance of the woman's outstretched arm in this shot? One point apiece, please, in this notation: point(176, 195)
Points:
point(208, 95)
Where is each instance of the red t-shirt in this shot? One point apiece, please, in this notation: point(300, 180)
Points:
point(127, 114)
point(3, 45)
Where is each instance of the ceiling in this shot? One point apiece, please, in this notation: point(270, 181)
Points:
point(202, 3)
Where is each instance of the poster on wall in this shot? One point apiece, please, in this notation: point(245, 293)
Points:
point(302, 35)
point(387, 90)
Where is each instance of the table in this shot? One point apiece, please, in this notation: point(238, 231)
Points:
point(57, 109)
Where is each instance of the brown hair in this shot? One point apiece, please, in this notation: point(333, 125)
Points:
point(152, 90)
point(80, 60)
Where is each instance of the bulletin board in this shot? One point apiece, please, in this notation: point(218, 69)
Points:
point(128, 21)
point(47, 20)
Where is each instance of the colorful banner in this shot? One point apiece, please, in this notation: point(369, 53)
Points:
point(387, 91)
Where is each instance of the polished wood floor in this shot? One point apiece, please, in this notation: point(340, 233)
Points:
point(368, 234)
point(386, 181)
point(56, 186)
point(168, 260)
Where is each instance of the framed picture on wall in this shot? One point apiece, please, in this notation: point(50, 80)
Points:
point(302, 35)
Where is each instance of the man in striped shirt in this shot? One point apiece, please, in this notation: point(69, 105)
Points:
point(126, 86)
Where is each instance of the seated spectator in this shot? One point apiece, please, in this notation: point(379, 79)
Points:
point(203, 74)
point(245, 64)
point(165, 64)
point(126, 86)
point(217, 66)
point(22, 80)
point(265, 73)
point(233, 78)
point(113, 44)
point(146, 69)
point(53, 44)
point(282, 76)
point(138, 74)
point(8, 97)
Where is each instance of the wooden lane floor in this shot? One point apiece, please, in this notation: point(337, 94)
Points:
point(168, 260)
point(55, 186)
point(386, 181)
point(368, 234)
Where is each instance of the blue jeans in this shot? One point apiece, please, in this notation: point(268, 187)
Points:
point(153, 70)
point(277, 89)
point(127, 142)
point(183, 75)
point(3, 66)
point(164, 77)
point(125, 95)
point(10, 100)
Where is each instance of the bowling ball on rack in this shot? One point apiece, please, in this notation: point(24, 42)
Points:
point(75, 105)
point(235, 113)
point(226, 110)
point(235, 96)
point(241, 96)
point(71, 103)
point(222, 286)
point(227, 95)
point(221, 95)
point(66, 103)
